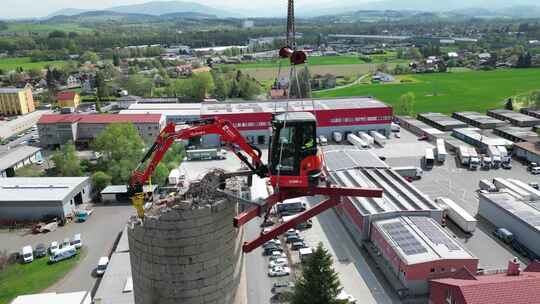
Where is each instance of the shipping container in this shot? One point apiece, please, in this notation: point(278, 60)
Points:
point(457, 214)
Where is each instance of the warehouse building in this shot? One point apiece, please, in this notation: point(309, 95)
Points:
point(517, 134)
point(18, 157)
point(342, 114)
point(417, 249)
point(517, 119)
point(419, 128)
point(520, 217)
point(57, 129)
point(441, 121)
point(480, 138)
point(529, 151)
point(178, 113)
point(32, 198)
point(478, 120)
point(357, 168)
point(511, 286)
point(531, 112)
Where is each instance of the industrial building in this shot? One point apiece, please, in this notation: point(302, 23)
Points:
point(58, 129)
point(354, 168)
point(32, 198)
point(517, 134)
point(517, 119)
point(342, 114)
point(417, 249)
point(480, 138)
point(419, 128)
point(18, 157)
point(21, 123)
point(478, 120)
point(177, 113)
point(16, 101)
point(529, 151)
point(520, 217)
point(441, 121)
point(511, 286)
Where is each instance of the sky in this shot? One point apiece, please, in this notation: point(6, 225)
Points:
point(11, 9)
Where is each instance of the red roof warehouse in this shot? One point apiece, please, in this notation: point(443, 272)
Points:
point(512, 287)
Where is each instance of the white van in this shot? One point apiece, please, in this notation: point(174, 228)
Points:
point(102, 265)
point(535, 170)
point(27, 254)
point(64, 253)
point(77, 241)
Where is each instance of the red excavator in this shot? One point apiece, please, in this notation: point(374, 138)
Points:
point(295, 167)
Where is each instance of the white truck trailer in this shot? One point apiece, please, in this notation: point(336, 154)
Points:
point(495, 155)
point(356, 141)
point(474, 159)
point(366, 137)
point(457, 214)
point(441, 150)
point(463, 155)
point(337, 136)
point(411, 172)
point(378, 137)
point(505, 156)
point(429, 159)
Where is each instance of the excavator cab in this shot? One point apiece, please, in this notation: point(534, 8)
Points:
point(294, 158)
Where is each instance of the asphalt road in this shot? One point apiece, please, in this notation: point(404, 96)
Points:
point(98, 235)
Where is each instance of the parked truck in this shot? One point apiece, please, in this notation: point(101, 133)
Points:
point(337, 136)
point(83, 214)
point(378, 138)
point(495, 155)
point(366, 137)
point(356, 141)
point(413, 173)
point(457, 214)
point(505, 156)
point(463, 155)
point(429, 158)
point(486, 162)
point(441, 150)
point(474, 160)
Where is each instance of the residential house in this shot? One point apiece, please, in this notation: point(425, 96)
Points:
point(68, 99)
point(72, 82)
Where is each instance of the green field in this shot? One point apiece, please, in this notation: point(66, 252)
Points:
point(449, 92)
point(8, 64)
point(45, 28)
point(20, 279)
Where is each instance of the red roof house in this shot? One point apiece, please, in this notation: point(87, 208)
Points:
point(511, 287)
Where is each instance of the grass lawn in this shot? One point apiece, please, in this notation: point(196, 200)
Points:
point(19, 279)
point(321, 60)
point(449, 92)
point(8, 64)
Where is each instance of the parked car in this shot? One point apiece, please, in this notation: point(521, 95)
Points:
point(279, 271)
point(294, 239)
point(40, 251)
point(535, 170)
point(63, 254)
point(272, 250)
point(506, 165)
point(282, 286)
point(298, 245)
point(531, 166)
point(534, 185)
point(277, 255)
point(77, 242)
point(342, 296)
point(278, 262)
point(504, 234)
point(53, 247)
point(27, 254)
point(267, 223)
point(102, 265)
point(292, 232)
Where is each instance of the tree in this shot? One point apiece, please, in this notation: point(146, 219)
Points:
point(534, 100)
point(415, 53)
point(116, 59)
point(300, 87)
point(102, 89)
point(122, 148)
point(160, 175)
point(221, 88)
point(138, 85)
point(200, 86)
point(319, 283)
point(100, 180)
point(89, 57)
point(406, 104)
point(66, 161)
point(509, 104)
point(35, 73)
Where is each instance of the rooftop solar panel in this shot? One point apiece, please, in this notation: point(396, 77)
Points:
point(434, 234)
point(404, 238)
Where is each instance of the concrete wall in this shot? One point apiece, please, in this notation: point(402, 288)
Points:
point(186, 255)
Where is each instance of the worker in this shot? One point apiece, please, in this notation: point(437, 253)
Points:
point(308, 138)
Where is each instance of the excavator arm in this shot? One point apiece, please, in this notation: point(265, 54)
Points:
point(229, 134)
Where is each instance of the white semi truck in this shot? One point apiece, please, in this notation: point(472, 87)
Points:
point(356, 141)
point(495, 155)
point(378, 137)
point(474, 160)
point(457, 214)
point(366, 137)
point(463, 155)
point(441, 150)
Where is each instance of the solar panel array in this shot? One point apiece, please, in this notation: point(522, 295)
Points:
point(434, 234)
point(404, 238)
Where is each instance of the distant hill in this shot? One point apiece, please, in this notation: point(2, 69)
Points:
point(189, 15)
point(101, 16)
point(155, 8)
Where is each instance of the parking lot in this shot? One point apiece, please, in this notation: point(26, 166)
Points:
point(98, 234)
